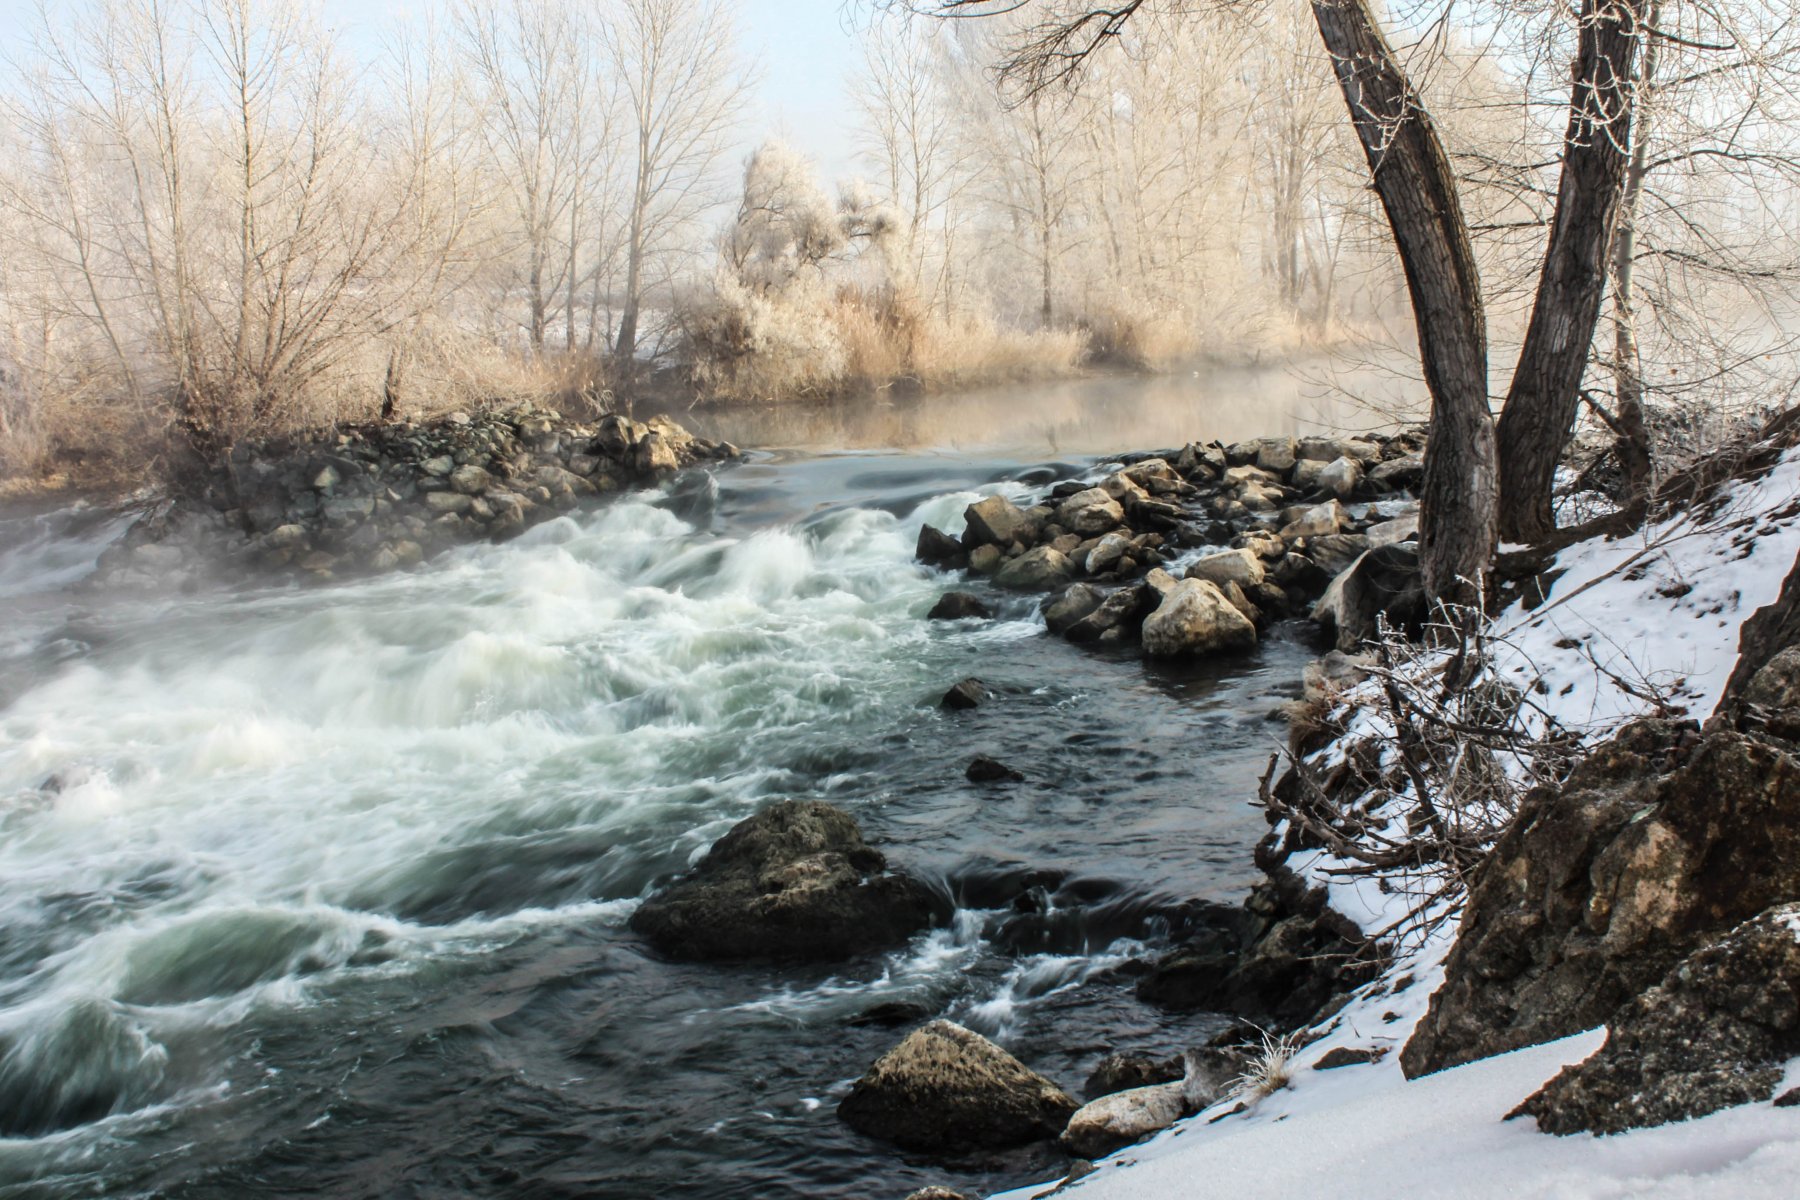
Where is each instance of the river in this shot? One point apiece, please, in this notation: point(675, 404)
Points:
point(322, 891)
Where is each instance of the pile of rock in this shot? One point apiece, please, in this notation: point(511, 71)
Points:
point(1296, 515)
point(375, 497)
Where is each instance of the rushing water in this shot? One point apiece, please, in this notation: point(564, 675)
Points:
point(322, 891)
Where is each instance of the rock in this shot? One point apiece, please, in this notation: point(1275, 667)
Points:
point(1071, 605)
point(1124, 489)
point(1121, 614)
point(1246, 476)
point(471, 480)
point(997, 521)
point(1386, 580)
point(1159, 581)
point(1336, 553)
point(1326, 678)
point(285, 537)
point(1772, 698)
point(1718, 1031)
point(654, 456)
point(1341, 478)
point(1656, 844)
point(615, 437)
point(1106, 554)
point(967, 694)
point(1195, 618)
point(1286, 975)
point(1387, 533)
point(1118, 1120)
point(1123, 1072)
point(1035, 569)
point(935, 1193)
point(438, 467)
point(1322, 449)
point(1275, 455)
point(1317, 521)
point(938, 549)
point(795, 882)
point(1349, 1056)
point(447, 502)
point(327, 478)
point(983, 769)
point(1242, 567)
point(1090, 512)
point(1397, 474)
point(945, 1088)
point(986, 559)
point(958, 606)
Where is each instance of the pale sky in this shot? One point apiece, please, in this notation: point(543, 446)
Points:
point(805, 48)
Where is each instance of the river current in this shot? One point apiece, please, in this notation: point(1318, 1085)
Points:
point(322, 891)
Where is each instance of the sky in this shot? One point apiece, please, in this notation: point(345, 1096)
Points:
point(805, 48)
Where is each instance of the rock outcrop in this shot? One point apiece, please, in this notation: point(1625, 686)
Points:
point(945, 1088)
point(795, 882)
point(1659, 842)
point(1718, 1031)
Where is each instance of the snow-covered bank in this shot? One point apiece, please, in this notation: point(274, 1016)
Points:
point(1365, 1132)
point(1627, 627)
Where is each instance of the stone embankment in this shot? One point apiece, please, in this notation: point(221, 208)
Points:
point(375, 497)
point(1196, 552)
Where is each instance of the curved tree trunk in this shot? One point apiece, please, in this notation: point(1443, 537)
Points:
point(1413, 178)
point(1546, 387)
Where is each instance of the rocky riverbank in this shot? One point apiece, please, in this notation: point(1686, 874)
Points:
point(374, 497)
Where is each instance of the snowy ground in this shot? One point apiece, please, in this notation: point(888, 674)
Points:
point(1655, 615)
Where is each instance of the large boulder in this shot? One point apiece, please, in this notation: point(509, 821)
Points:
point(1341, 477)
point(945, 1088)
point(1034, 570)
point(1090, 512)
point(795, 882)
point(1195, 618)
point(1656, 844)
point(997, 521)
point(1718, 1031)
point(937, 548)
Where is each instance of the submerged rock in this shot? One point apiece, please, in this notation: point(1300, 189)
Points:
point(795, 882)
point(990, 770)
point(945, 1088)
point(967, 694)
point(1718, 1031)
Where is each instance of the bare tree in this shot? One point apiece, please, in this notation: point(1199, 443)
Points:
point(683, 86)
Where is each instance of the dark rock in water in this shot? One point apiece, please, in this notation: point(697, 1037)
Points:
point(946, 1089)
point(991, 770)
point(1657, 843)
point(958, 606)
point(1122, 1072)
point(1718, 1031)
point(967, 694)
point(1385, 581)
point(891, 1013)
point(1071, 605)
point(935, 1193)
point(1124, 611)
point(795, 882)
point(1286, 976)
point(938, 549)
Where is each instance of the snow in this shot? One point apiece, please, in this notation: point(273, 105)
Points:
point(1627, 623)
point(1363, 1132)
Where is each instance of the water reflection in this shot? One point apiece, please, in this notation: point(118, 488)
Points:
point(1098, 414)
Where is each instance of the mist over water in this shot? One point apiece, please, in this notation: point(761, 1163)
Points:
point(322, 891)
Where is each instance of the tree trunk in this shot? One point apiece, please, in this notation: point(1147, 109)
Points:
point(1632, 447)
point(1413, 178)
point(1546, 387)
